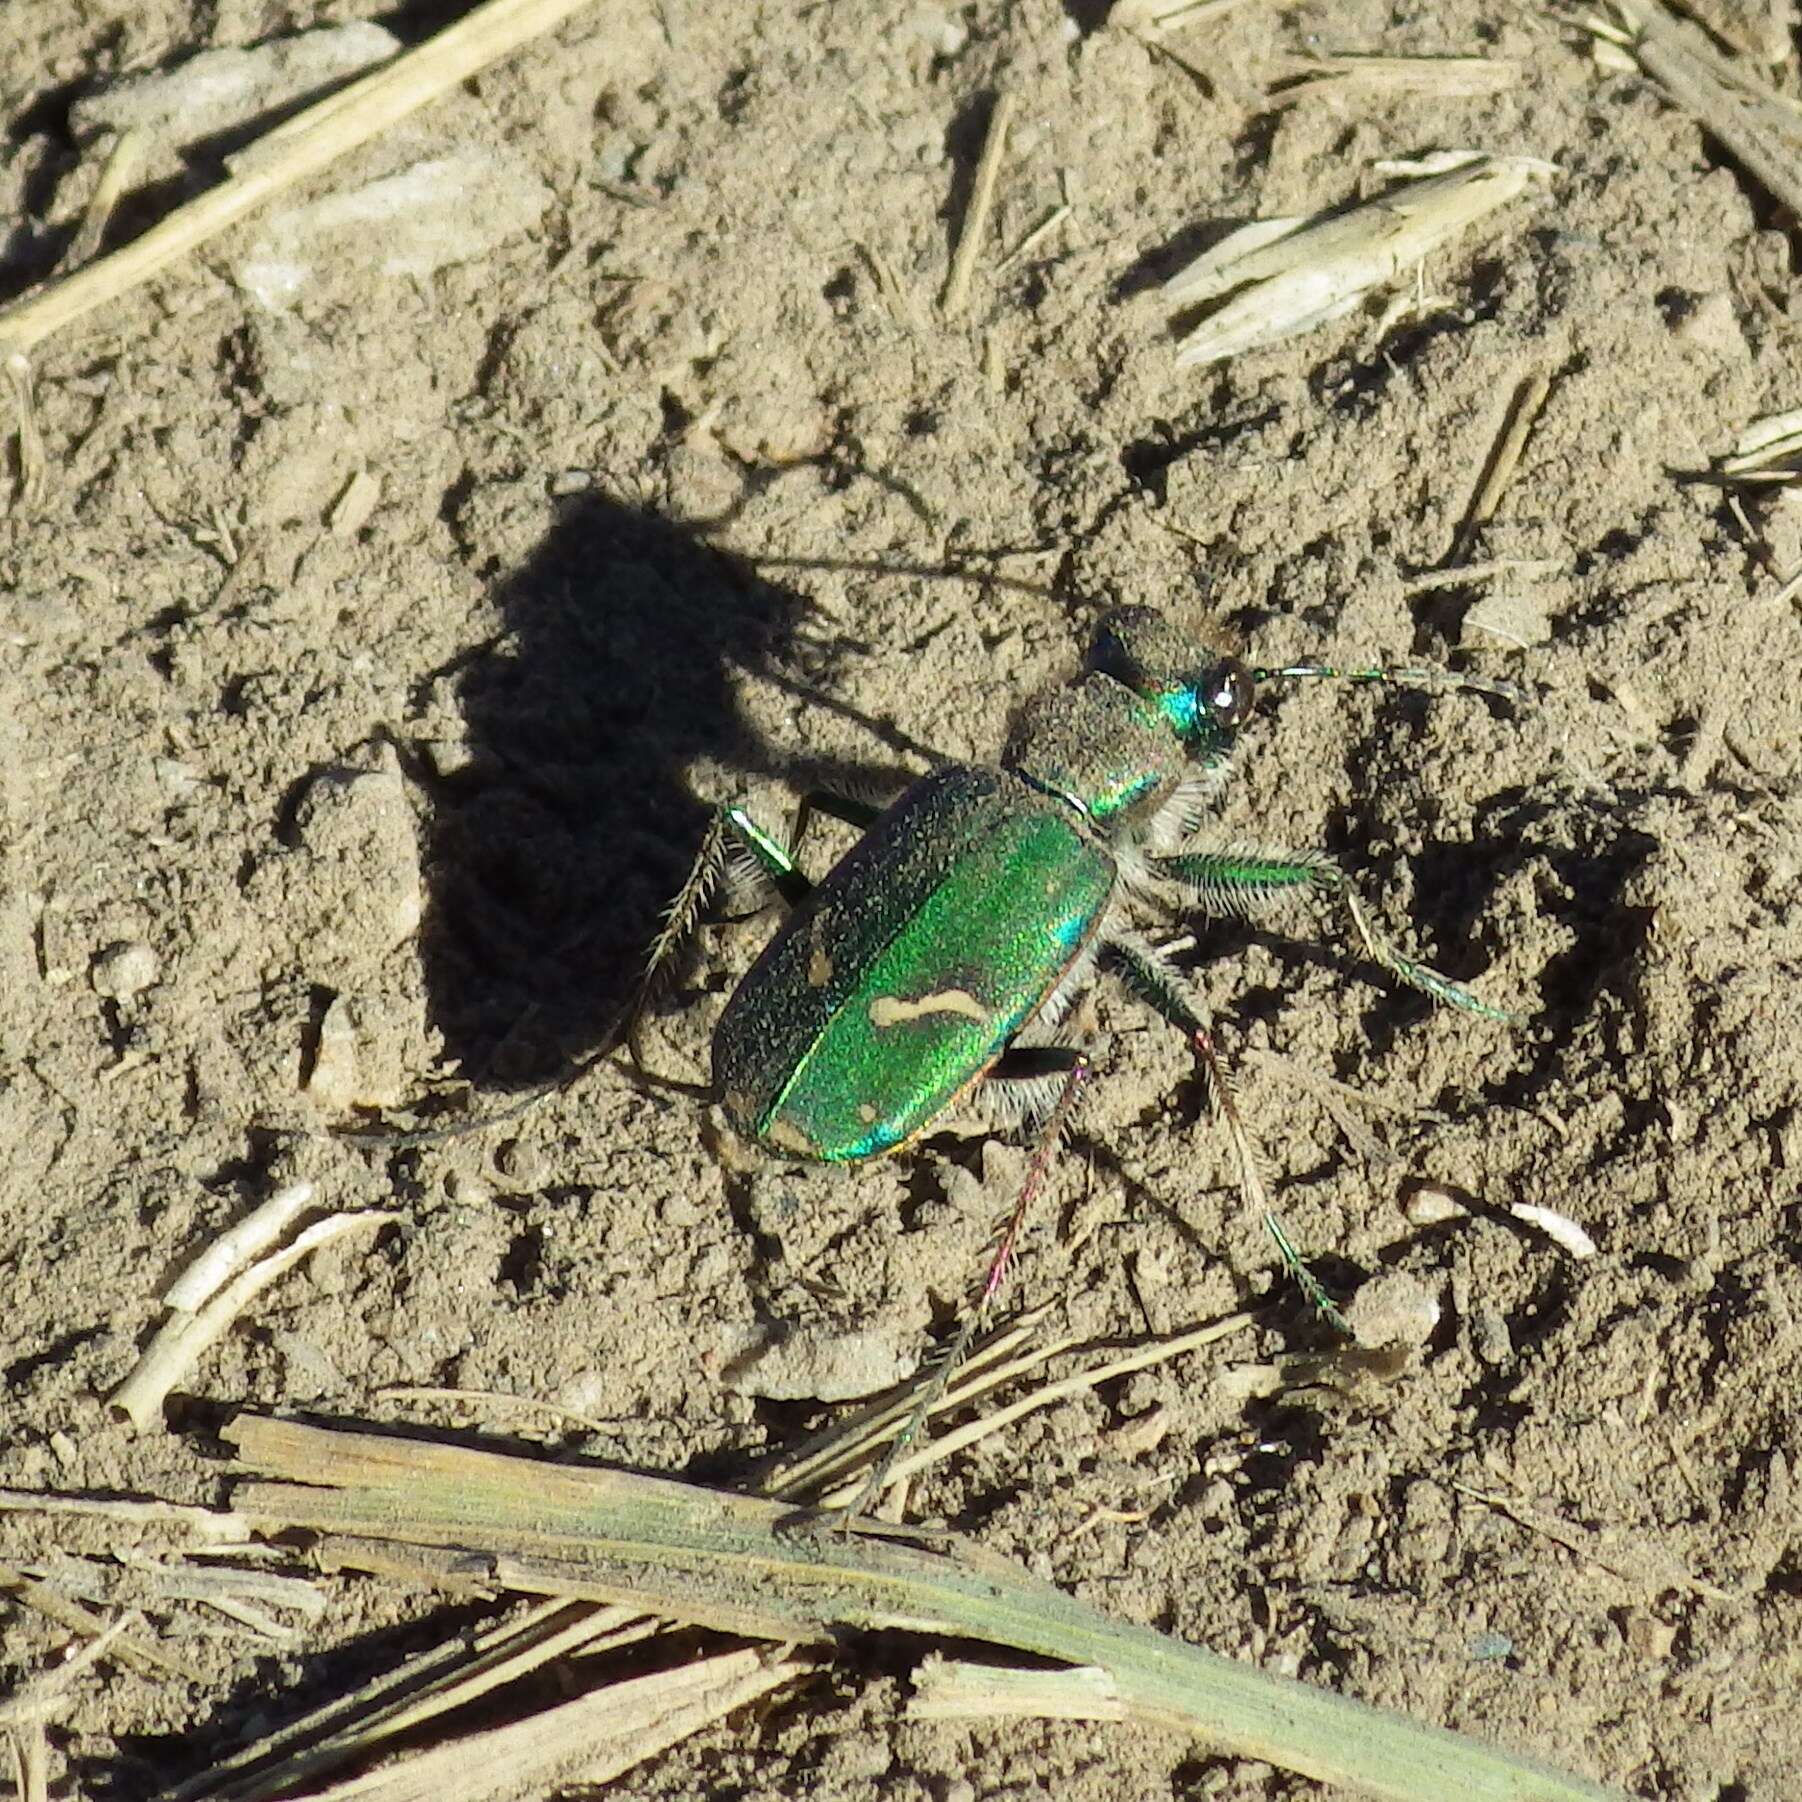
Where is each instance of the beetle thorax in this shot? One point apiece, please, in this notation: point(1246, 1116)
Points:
point(1101, 748)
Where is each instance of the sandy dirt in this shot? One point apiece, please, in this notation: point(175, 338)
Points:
point(684, 490)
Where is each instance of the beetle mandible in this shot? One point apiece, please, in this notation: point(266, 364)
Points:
point(946, 948)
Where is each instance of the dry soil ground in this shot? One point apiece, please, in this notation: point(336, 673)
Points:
point(684, 489)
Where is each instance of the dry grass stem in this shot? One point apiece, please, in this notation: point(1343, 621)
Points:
point(1768, 451)
point(291, 153)
point(976, 217)
point(494, 1400)
point(590, 1740)
point(1644, 1571)
point(42, 1696)
point(207, 1527)
point(743, 1564)
point(225, 1256)
point(1284, 276)
point(33, 464)
point(1504, 458)
point(1468, 575)
point(1169, 15)
point(1757, 126)
point(1355, 74)
point(28, 1747)
point(1035, 237)
point(956, 1689)
point(1158, 1351)
point(181, 1339)
point(430, 1684)
point(853, 1444)
point(121, 165)
point(139, 1655)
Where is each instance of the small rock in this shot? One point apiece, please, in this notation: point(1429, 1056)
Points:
point(332, 1081)
point(1393, 1309)
point(1430, 1205)
point(176, 779)
point(212, 93)
point(445, 210)
point(125, 969)
point(1145, 1433)
point(1490, 1338)
point(1711, 326)
point(1647, 1636)
point(801, 1365)
point(357, 834)
point(1516, 619)
point(520, 1164)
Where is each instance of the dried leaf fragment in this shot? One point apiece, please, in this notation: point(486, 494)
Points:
point(1285, 276)
point(1768, 450)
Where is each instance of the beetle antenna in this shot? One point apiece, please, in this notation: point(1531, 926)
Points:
point(1410, 677)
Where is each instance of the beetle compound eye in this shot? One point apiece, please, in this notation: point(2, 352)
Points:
point(1228, 694)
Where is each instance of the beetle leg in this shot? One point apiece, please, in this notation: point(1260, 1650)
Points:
point(1246, 883)
point(1076, 1070)
point(731, 832)
point(1024, 1085)
point(854, 810)
point(1156, 980)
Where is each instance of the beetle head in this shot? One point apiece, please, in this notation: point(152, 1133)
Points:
point(1203, 692)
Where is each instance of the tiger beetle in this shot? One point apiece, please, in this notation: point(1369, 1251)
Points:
point(945, 950)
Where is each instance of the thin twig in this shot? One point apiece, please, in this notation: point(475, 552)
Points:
point(292, 152)
point(1504, 459)
point(982, 200)
point(122, 162)
point(1751, 121)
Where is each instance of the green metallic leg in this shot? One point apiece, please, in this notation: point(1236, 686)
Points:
point(1247, 883)
point(1157, 981)
point(1037, 1066)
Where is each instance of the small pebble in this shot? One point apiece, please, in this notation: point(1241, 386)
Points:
point(520, 1164)
point(125, 969)
point(1430, 1205)
point(1145, 1433)
point(1393, 1309)
point(1647, 1636)
point(332, 1081)
point(806, 1365)
point(1563, 1231)
point(1490, 1338)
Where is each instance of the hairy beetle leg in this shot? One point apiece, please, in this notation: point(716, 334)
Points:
point(1077, 1069)
point(1157, 981)
point(1247, 883)
point(731, 831)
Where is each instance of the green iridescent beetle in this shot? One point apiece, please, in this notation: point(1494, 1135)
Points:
point(945, 950)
